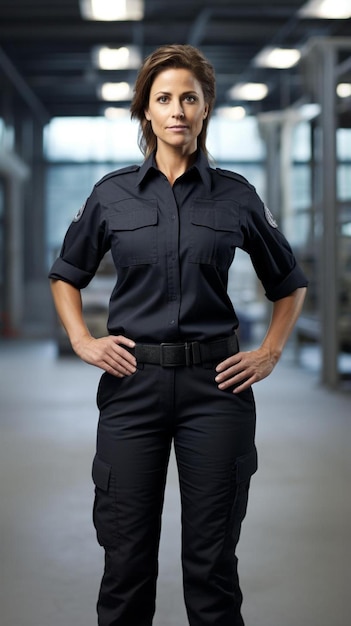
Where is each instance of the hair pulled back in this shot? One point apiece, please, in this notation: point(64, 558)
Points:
point(178, 57)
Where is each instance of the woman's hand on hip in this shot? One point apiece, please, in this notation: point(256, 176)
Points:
point(107, 353)
point(244, 368)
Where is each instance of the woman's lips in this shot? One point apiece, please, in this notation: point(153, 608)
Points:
point(177, 128)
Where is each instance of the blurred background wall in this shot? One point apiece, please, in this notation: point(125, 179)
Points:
point(282, 119)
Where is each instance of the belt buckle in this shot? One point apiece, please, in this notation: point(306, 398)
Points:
point(163, 360)
point(186, 347)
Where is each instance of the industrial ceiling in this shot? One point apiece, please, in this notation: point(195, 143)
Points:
point(46, 47)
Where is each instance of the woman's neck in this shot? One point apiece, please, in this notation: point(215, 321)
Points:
point(173, 163)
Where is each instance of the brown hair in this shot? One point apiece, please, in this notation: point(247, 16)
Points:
point(179, 57)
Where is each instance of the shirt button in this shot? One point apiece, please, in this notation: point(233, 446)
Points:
point(172, 322)
point(173, 217)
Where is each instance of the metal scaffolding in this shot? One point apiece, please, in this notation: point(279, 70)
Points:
point(326, 61)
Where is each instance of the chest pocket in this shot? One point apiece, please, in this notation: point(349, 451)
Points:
point(133, 227)
point(214, 232)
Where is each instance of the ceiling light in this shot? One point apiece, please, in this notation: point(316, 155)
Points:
point(327, 9)
point(280, 58)
point(116, 113)
point(248, 91)
point(115, 92)
point(125, 58)
point(343, 90)
point(231, 113)
point(112, 10)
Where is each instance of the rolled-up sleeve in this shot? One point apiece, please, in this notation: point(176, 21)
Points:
point(84, 245)
point(271, 254)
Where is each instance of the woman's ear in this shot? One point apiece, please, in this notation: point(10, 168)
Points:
point(147, 115)
point(206, 111)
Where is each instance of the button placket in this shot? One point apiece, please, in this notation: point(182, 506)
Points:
point(173, 274)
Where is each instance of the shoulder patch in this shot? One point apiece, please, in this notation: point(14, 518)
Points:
point(235, 176)
point(79, 214)
point(123, 170)
point(269, 217)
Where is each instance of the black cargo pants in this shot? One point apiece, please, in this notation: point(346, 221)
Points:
point(213, 434)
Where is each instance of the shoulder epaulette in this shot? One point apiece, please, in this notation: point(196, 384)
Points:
point(235, 176)
point(123, 170)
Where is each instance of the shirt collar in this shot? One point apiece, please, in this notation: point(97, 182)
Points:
point(149, 164)
point(201, 165)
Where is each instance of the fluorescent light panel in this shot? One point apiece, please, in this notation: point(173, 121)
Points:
point(116, 113)
point(115, 92)
point(279, 58)
point(327, 9)
point(125, 58)
point(231, 113)
point(343, 90)
point(249, 91)
point(112, 10)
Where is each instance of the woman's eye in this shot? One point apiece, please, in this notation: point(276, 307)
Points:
point(190, 98)
point(163, 99)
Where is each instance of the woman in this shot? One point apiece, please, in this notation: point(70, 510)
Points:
point(173, 370)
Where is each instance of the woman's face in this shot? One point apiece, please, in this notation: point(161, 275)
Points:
point(177, 109)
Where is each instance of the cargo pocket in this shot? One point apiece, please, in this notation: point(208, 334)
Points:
point(104, 510)
point(244, 468)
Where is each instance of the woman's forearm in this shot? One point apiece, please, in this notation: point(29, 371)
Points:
point(245, 368)
point(68, 304)
point(284, 316)
point(108, 352)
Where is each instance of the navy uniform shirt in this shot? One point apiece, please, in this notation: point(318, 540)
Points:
point(173, 247)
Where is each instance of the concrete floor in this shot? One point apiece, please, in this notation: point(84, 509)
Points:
point(295, 550)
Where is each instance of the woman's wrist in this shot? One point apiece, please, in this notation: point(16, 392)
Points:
point(79, 340)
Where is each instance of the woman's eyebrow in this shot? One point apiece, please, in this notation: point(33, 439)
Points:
point(168, 93)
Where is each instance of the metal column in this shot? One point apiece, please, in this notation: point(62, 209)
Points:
point(322, 69)
point(270, 130)
point(14, 173)
point(326, 196)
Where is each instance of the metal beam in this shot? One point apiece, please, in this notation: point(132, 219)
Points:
point(199, 27)
point(23, 88)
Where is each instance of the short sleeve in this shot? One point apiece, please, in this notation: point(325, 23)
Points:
point(271, 254)
point(84, 245)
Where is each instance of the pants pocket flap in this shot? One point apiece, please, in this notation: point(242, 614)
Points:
point(246, 466)
point(101, 472)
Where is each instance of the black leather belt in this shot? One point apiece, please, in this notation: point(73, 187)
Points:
point(186, 353)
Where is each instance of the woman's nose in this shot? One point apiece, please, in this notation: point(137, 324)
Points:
point(178, 110)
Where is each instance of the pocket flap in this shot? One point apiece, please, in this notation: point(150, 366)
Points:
point(220, 215)
point(246, 466)
point(133, 215)
point(101, 473)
